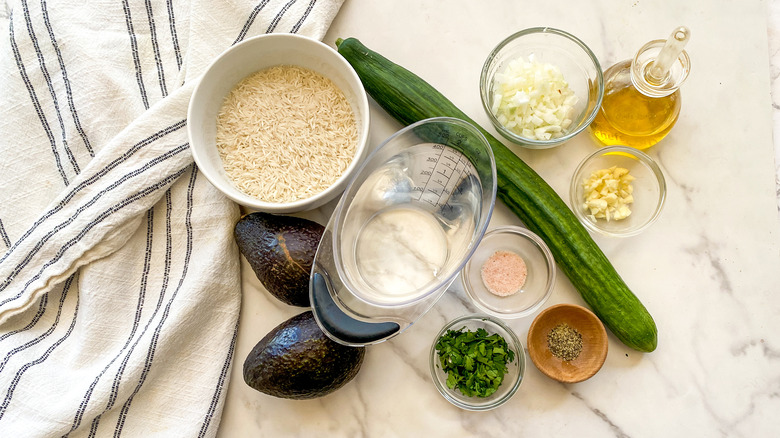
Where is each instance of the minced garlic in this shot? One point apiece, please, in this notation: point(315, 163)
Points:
point(608, 193)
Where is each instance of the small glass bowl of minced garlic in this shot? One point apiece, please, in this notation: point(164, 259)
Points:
point(511, 274)
point(617, 191)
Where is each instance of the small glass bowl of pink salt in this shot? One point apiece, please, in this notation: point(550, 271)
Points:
point(511, 274)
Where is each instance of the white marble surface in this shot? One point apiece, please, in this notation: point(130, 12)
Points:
point(707, 270)
point(773, 35)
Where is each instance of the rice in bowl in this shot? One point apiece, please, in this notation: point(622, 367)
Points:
point(285, 133)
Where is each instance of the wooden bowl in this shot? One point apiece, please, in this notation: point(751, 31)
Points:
point(594, 343)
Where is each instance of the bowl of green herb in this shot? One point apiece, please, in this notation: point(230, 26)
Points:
point(567, 343)
point(477, 362)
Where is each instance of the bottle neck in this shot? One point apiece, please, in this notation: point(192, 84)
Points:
point(652, 86)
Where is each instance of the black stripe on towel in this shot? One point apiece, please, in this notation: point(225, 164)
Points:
point(250, 20)
point(23, 369)
point(156, 49)
point(4, 235)
point(66, 81)
point(166, 312)
point(40, 338)
point(96, 176)
point(98, 220)
point(112, 397)
point(220, 385)
point(52, 93)
point(136, 321)
point(34, 99)
point(136, 60)
point(40, 244)
point(36, 318)
point(275, 21)
point(298, 25)
point(174, 36)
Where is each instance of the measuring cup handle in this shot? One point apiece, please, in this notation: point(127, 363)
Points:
point(340, 325)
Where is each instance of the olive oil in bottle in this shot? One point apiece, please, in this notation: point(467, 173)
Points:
point(641, 96)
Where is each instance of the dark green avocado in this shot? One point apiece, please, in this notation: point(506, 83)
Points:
point(281, 251)
point(296, 360)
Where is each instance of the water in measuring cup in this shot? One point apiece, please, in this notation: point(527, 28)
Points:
point(426, 204)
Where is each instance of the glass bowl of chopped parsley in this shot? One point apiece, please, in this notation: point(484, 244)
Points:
point(477, 362)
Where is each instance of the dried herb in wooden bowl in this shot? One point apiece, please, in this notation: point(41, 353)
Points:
point(564, 342)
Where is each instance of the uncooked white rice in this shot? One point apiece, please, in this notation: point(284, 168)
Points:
point(285, 133)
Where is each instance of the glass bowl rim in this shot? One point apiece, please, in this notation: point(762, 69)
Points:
point(513, 341)
point(646, 160)
point(549, 262)
point(484, 79)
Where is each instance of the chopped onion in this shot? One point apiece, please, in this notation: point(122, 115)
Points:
point(533, 99)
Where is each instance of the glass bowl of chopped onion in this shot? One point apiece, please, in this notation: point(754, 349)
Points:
point(511, 273)
point(617, 191)
point(477, 362)
point(541, 87)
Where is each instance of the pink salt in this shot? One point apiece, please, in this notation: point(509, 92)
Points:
point(504, 273)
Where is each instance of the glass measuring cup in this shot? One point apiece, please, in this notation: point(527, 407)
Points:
point(403, 229)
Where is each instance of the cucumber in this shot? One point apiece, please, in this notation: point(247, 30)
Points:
point(408, 99)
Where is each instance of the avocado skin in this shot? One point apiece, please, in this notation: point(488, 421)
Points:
point(296, 360)
point(280, 250)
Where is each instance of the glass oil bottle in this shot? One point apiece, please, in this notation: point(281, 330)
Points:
point(642, 97)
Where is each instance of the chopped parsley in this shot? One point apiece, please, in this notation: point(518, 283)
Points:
point(475, 362)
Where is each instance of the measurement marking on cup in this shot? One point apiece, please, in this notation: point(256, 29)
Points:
point(444, 167)
point(433, 160)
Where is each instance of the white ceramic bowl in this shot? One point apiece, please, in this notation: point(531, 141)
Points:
point(250, 56)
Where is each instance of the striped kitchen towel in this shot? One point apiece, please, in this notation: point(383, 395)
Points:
point(119, 277)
